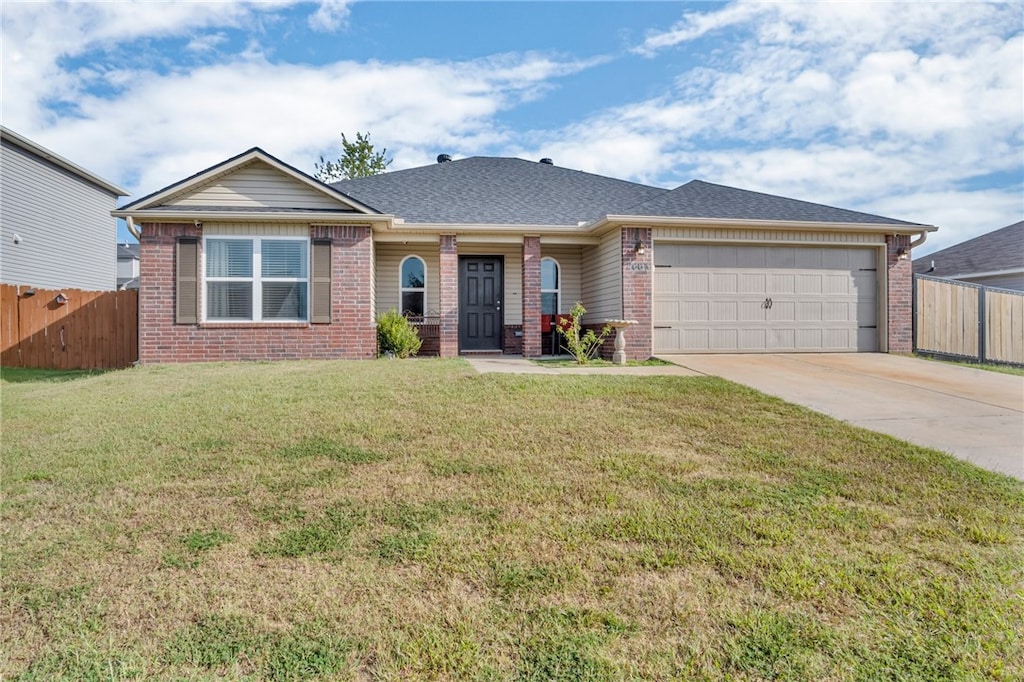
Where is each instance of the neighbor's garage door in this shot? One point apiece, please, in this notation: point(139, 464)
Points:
point(758, 299)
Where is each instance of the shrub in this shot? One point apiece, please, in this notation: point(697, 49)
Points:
point(583, 347)
point(395, 336)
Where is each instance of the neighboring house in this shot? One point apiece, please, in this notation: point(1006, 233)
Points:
point(995, 259)
point(55, 220)
point(127, 266)
point(253, 259)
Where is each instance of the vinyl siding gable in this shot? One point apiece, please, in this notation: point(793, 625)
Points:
point(256, 185)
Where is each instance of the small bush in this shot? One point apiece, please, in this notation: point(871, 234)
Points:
point(582, 346)
point(395, 336)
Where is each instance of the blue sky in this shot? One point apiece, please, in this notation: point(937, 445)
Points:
point(911, 110)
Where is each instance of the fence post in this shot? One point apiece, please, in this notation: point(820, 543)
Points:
point(913, 314)
point(982, 322)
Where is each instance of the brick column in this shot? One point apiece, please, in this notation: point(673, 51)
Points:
point(531, 297)
point(351, 287)
point(449, 296)
point(900, 292)
point(157, 288)
point(637, 279)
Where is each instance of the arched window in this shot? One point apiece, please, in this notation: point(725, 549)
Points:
point(550, 287)
point(413, 286)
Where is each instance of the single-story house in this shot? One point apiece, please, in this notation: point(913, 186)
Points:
point(253, 259)
point(995, 259)
point(56, 227)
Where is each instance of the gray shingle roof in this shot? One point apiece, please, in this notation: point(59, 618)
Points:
point(1001, 249)
point(698, 199)
point(488, 190)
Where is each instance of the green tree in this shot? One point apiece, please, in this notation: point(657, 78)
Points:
point(358, 159)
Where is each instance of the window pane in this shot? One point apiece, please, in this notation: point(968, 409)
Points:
point(229, 301)
point(413, 274)
point(549, 304)
point(548, 274)
point(228, 258)
point(283, 258)
point(284, 300)
point(412, 302)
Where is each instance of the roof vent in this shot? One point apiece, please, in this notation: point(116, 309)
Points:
point(547, 161)
point(444, 158)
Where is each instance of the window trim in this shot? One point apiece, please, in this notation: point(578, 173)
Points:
point(255, 280)
point(557, 291)
point(402, 289)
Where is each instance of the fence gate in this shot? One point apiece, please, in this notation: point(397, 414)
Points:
point(968, 321)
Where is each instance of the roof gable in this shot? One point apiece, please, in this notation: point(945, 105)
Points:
point(253, 180)
point(699, 199)
point(995, 251)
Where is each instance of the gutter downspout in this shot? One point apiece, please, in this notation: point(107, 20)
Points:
point(138, 235)
point(913, 245)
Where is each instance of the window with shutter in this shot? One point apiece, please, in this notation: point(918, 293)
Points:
point(259, 279)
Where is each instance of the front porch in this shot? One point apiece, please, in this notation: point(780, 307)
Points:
point(470, 294)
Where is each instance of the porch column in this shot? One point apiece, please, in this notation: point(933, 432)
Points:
point(900, 292)
point(448, 279)
point(531, 297)
point(637, 284)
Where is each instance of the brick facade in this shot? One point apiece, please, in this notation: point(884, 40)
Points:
point(448, 278)
point(531, 345)
point(900, 277)
point(637, 294)
point(351, 334)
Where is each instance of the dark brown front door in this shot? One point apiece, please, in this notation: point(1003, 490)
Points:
point(480, 297)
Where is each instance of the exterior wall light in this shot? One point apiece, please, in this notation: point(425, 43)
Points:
point(902, 253)
point(639, 248)
point(60, 299)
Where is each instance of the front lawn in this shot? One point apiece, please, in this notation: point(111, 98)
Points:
point(392, 520)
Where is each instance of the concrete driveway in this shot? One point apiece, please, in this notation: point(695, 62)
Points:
point(973, 414)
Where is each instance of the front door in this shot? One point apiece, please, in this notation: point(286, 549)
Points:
point(480, 296)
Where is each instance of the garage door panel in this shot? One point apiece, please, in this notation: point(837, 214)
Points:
point(714, 301)
point(667, 311)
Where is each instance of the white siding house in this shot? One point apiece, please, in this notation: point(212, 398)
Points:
point(55, 220)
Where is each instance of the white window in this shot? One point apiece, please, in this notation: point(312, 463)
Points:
point(550, 287)
point(413, 286)
point(258, 279)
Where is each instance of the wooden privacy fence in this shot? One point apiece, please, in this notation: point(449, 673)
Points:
point(970, 321)
point(90, 330)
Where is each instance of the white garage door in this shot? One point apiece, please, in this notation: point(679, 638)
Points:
point(763, 299)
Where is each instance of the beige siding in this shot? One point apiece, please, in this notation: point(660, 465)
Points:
point(569, 260)
point(717, 234)
point(512, 305)
point(388, 259)
point(257, 185)
point(255, 230)
point(601, 281)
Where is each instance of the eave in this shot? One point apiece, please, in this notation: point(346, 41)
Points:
point(603, 225)
point(186, 215)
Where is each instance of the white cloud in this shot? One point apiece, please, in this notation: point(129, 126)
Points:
point(330, 16)
point(883, 107)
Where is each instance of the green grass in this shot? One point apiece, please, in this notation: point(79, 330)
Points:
point(417, 521)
